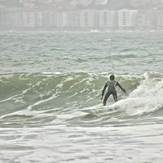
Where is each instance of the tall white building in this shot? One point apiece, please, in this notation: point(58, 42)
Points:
point(32, 19)
point(89, 19)
point(149, 19)
point(127, 18)
point(49, 18)
point(74, 19)
point(160, 21)
point(108, 19)
point(62, 19)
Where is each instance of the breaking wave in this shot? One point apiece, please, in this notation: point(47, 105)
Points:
point(44, 97)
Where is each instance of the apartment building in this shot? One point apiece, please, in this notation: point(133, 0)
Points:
point(148, 19)
point(19, 19)
point(74, 19)
point(49, 19)
point(62, 19)
point(34, 19)
point(108, 19)
point(160, 20)
point(11, 18)
point(127, 19)
point(88, 19)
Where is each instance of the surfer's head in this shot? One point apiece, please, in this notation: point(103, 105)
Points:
point(112, 77)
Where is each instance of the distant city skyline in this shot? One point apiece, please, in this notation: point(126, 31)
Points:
point(67, 15)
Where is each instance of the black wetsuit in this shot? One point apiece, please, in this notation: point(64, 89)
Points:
point(111, 90)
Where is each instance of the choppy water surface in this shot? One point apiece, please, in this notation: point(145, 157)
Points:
point(50, 86)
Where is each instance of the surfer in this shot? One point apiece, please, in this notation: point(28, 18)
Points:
point(111, 84)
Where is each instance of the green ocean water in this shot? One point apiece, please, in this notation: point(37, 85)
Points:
point(50, 89)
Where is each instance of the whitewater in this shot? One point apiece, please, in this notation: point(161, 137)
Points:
point(50, 90)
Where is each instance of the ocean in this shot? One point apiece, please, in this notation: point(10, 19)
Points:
point(50, 90)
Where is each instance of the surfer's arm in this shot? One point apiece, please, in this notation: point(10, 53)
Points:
point(103, 91)
point(121, 87)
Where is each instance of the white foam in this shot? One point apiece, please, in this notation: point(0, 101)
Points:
point(145, 99)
